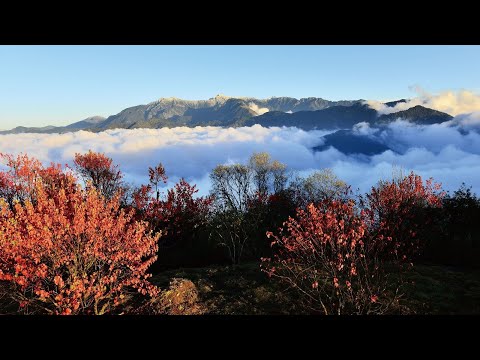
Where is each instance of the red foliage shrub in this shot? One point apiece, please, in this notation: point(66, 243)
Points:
point(17, 182)
point(324, 253)
point(98, 170)
point(336, 255)
point(394, 214)
point(179, 213)
point(184, 211)
point(66, 250)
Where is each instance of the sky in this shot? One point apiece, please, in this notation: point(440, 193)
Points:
point(58, 85)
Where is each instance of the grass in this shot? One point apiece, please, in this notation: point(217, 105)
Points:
point(244, 289)
point(235, 290)
point(443, 290)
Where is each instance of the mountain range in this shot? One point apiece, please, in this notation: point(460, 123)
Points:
point(306, 113)
point(79, 125)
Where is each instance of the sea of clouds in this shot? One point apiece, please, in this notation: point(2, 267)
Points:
point(449, 152)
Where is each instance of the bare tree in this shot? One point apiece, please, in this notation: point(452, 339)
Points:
point(232, 186)
point(236, 187)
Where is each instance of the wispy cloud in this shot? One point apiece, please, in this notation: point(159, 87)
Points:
point(450, 102)
point(258, 110)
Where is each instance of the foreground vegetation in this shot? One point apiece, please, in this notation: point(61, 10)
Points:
point(243, 290)
point(82, 241)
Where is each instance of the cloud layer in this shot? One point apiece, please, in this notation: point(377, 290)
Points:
point(450, 102)
point(448, 152)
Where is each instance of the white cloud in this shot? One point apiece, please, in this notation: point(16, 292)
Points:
point(258, 110)
point(466, 121)
point(450, 102)
point(364, 128)
point(441, 151)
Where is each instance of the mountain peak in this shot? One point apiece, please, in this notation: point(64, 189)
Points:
point(168, 99)
point(395, 102)
point(222, 97)
point(94, 119)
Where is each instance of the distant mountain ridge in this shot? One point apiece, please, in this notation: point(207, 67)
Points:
point(329, 118)
point(220, 110)
point(79, 125)
point(305, 113)
point(421, 114)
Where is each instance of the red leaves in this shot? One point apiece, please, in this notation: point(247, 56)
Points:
point(392, 213)
point(57, 280)
point(157, 174)
point(70, 249)
point(93, 160)
point(324, 241)
point(347, 247)
point(98, 170)
point(180, 212)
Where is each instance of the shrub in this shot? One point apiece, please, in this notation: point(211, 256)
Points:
point(181, 298)
point(456, 239)
point(395, 213)
point(326, 254)
point(99, 171)
point(180, 215)
point(67, 250)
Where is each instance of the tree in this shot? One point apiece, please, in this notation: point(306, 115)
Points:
point(456, 236)
point(184, 212)
point(232, 186)
point(68, 250)
point(269, 176)
point(323, 185)
point(99, 171)
point(156, 176)
point(244, 197)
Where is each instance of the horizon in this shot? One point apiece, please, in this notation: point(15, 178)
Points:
point(59, 85)
point(177, 98)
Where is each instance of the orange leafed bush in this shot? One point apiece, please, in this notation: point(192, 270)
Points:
point(99, 170)
point(179, 213)
point(394, 212)
point(66, 250)
point(323, 254)
point(336, 254)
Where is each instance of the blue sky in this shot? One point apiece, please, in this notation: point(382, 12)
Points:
point(57, 85)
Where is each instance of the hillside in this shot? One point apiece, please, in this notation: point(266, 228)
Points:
point(417, 114)
point(306, 113)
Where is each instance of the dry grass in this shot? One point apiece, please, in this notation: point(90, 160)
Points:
point(181, 298)
point(244, 289)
